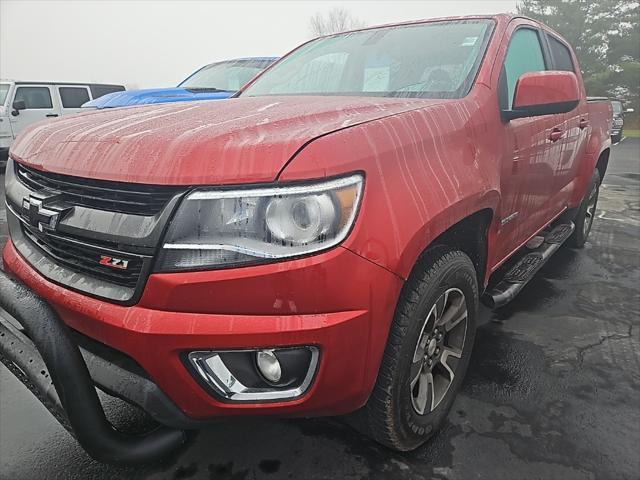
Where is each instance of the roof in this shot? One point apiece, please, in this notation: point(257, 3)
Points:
point(500, 17)
point(36, 82)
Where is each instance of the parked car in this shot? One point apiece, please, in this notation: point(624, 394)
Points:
point(617, 125)
point(317, 246)
point(23, 103)
point(216, 81)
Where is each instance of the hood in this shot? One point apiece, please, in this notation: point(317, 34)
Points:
point(244, 140)
point(155, 95)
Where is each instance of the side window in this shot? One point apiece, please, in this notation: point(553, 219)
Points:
point(100, 90)
point(73, 97)
point(34, 97)
point(561, 55)
point(523, 55)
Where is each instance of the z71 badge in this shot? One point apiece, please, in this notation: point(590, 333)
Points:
point(114, 262)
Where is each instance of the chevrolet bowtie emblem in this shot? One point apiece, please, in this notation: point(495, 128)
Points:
point(44, 209)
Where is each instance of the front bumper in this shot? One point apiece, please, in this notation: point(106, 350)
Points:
point(282, 305)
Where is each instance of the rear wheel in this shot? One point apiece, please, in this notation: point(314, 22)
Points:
point(427, 353)
point(586, 213)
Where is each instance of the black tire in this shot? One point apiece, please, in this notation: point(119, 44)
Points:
point(586, 213)
point(391, 414)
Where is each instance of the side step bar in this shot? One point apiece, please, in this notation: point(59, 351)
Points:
point(49, 363)
point(523, 271)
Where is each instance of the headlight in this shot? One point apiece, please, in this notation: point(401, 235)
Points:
point(221, 227)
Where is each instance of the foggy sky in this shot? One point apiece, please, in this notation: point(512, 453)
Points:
point(144, 44)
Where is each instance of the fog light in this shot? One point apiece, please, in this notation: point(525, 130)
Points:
point(256, 375)
point(268, 365)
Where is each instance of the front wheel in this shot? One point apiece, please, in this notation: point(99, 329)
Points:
point(586, 213)
point(427, 352)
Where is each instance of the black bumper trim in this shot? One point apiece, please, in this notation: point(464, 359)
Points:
point(55, 370)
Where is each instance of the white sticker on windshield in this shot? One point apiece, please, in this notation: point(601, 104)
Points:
point(469, 41)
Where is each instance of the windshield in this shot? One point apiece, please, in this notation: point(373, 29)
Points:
point(617, 107)
point(429, 60)
point(4, 90)
point(227, 76)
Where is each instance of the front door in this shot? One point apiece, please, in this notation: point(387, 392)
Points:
point(532, 149)
point(39, 102)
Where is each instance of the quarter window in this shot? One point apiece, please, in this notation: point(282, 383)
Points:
point(561, 55)
point(34, 97)
point(523, 55)
point(73, 97)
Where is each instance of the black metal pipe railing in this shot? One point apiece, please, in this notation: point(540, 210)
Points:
point(74, 393)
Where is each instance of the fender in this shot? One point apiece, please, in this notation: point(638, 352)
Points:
point(587, 166)
point(425, 170)
point(440, 223)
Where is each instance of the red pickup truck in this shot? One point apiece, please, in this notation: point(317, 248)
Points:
point(316, 246)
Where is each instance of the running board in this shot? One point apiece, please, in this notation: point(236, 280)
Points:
point(523, 271)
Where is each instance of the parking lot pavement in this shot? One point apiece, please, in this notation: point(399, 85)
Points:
point(553, 390)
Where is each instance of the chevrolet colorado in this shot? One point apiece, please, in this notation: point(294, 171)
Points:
point(319, 246)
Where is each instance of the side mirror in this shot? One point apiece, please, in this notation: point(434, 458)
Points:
point(544, 93)
point(17, 106)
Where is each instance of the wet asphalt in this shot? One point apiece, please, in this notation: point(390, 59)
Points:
point(553, 390)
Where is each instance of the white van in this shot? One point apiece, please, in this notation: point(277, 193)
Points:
point(22, 103)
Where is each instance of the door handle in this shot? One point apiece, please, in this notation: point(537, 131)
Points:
point(556, 134)
point(51, 115)
point(584, 123)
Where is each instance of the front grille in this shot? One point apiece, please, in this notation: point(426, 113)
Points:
point(84, 258)
point(81, 233)
point(129, 198)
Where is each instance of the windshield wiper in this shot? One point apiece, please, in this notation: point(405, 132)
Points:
point(206, 90)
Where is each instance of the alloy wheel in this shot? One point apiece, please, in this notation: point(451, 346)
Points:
point(438, 351)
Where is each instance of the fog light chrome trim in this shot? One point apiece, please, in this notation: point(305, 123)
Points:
point(210, 367)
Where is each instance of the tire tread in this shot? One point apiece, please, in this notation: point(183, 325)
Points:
point(379, 414)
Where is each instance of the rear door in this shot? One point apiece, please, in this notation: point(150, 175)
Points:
point(576, 128)
point(72, 97)
point(529, 164)
point(41, 103)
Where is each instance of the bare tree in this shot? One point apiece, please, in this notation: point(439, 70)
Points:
point(335, 20)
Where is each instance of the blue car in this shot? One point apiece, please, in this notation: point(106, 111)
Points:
point(215, 81)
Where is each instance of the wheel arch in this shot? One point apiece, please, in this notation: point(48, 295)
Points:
point(470, 235)
point(603, 162)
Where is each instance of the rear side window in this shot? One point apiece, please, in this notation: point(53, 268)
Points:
point(99, 90)
point(523, 55)
point(34, 97)
point(561, 55)
point(73, 97)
